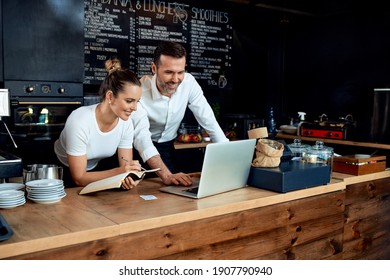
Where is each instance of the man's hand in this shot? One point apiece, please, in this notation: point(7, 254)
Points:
point(165, 174)
point(177, 179)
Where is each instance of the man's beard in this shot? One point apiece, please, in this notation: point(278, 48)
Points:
point(166, 89)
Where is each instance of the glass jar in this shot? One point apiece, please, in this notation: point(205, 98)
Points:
point(318, 154)
point(182, 129)
point(297, 148)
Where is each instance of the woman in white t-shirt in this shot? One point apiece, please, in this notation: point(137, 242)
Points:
point(99, 131)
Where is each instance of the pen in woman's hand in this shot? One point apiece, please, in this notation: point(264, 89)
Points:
point(128, 161)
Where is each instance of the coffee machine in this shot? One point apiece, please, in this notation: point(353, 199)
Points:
point(10, 165)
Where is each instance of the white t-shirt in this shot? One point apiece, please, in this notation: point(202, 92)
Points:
point(82, 136)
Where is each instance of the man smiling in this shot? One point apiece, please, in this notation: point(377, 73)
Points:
point(165, 97)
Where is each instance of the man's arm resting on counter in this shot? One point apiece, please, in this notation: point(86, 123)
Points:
point(148, 152)
point(166, 175)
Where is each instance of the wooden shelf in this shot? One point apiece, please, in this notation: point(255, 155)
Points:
point(179, 146)
point(335, 141)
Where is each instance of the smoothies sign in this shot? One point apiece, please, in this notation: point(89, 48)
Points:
point(132, 29)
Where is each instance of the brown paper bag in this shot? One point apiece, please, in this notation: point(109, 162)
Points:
point(268, 153)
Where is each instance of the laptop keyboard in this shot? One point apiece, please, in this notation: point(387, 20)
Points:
point(192, 190)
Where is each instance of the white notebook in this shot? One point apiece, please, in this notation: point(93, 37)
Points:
point(225, 168)
point(114, 182)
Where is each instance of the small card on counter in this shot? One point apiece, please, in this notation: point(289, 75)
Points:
point(148, 196)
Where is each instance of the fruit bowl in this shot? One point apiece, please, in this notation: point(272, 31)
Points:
point(189, 134)
point(289, 129)
point(190, 138)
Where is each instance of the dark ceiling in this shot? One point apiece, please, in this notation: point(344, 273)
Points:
point(316, 8)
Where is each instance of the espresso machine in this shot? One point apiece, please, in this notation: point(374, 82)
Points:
point(10, 165)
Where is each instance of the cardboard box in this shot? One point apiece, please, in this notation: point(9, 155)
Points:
point(289, 176)
point(359, 164)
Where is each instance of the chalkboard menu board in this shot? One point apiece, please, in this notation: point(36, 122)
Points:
point(132, 29)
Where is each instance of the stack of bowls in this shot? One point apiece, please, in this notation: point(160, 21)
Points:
point(11, 199)
point(44, 183)
point(45, 191)
point(11, 195)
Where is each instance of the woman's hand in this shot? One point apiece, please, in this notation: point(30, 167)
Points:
point(132, 165)
point(128, 183)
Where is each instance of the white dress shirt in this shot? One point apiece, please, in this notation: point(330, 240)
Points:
point(165, 114)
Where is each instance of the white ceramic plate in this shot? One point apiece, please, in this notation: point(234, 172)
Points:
point(6, 203)
point(15, 203)
point(289, 129)
point(48, 200)
point(44, 190)
point(44, 183)
point(11, 186)
point(46, 196)
point(362, 156)
point(10, 195)
point(12, 205)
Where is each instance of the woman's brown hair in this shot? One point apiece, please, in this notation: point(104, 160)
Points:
point(116, 78)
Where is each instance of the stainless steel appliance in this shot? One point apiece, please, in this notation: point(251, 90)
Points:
point(10, 166)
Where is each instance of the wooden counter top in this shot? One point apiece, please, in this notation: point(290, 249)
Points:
point(81, 218)
point(352, 179)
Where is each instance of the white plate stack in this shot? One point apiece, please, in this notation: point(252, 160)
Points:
point(11, 186)
point(11, 198)
point(45, 191)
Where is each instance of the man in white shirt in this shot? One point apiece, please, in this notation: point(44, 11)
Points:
point(165, 97)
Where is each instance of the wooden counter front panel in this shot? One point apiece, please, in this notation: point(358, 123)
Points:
point(310, 228)
point(367, 220)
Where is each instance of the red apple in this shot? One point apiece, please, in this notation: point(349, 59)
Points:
point(180, 137)
point(185, 138)
point(196, 138)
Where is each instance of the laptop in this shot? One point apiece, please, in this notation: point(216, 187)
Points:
point(225, 168)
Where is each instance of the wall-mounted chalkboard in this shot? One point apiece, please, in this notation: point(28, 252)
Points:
point(132, 29)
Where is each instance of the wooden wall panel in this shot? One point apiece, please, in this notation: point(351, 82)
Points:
point(367, 227)
point(302, 229)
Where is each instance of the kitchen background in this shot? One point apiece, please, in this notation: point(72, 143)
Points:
point(319, 57)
